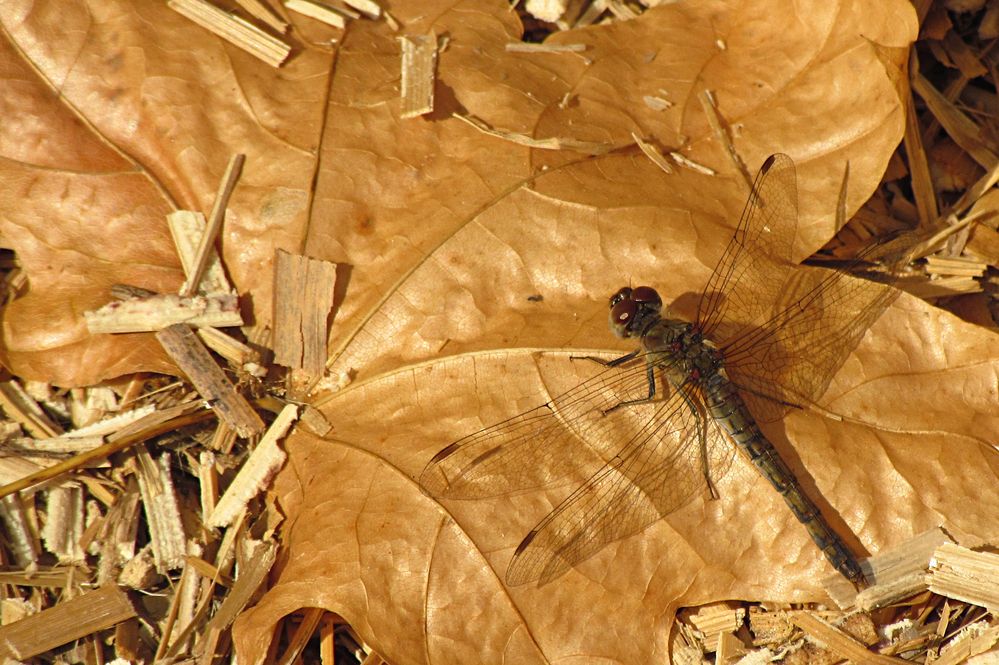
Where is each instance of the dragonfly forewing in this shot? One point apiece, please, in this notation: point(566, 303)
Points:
point(659, 470)
point(564, 440)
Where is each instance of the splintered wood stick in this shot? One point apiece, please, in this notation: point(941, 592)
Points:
point(159, 311)
point(206, 247)
point(191, 356)
point(67, 621)
point(303, 297)
point(234, 30)
point(419, 69)
point(265, 461)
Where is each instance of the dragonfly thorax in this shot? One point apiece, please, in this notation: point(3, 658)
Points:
point(680, 346)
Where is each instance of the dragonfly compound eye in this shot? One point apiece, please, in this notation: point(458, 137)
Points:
point(623, 312)
point(646, 295)
point(622, 294)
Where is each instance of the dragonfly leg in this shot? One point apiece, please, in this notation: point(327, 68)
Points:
point(609, 363)
point(650, 373)
point(701, 421)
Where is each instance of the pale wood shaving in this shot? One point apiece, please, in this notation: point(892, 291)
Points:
point(318, 11)
point(657, 103)
point(546, 10)
point(139, 572)
point(266, 459)
point(234, 30)
point(185, 349)
point(161, 311)
point(195, 268)
point(159, 500)
point(303, 299)
point(19, 536)
point(22, 408)
point(419, 72)
point(716, 621)
point(531, 47)
point(691, 164)
point(961, 573)
point(369, 8)
point(187, 227)
point(70, 620)
point(64, 523)
point(209, 483)
point(227, 346)
point(652, 153)
point(980, 639)
point(263, 12)
point(553, 143)
point(839, 642)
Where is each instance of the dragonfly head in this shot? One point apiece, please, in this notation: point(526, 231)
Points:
point(633, 309)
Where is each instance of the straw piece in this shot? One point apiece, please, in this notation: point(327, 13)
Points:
point(369, 8)
point(234, 30)
point(67, 621)
point(206, 248)
point(958, 126)
point(419, 71)
point(228, 346)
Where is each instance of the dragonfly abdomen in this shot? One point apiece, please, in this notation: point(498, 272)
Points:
point(726, 407)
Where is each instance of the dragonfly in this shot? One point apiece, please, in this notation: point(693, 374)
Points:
point(661, 424)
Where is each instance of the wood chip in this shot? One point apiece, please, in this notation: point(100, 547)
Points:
point(191, 356)
point(303, 298)
point(228, 347)
point(195, 268)
point(961, 573)
point(419, 71)
point(318, 11)
point(159, 500)
point(69, 620)
point(161, 311)
point(265, 461)
point(234, 30)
